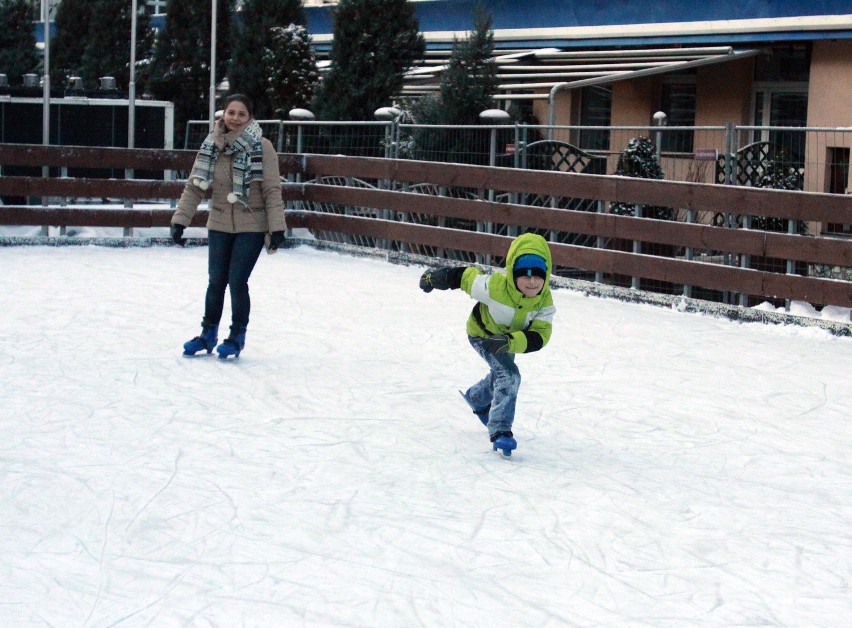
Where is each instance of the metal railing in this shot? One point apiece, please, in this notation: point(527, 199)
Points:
point(819, 156)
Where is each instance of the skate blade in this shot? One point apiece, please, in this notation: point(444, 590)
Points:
point(504, 449)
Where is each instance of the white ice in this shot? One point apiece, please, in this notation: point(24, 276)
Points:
point(672, 470)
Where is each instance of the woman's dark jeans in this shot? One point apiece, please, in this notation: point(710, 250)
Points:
point(230, 259)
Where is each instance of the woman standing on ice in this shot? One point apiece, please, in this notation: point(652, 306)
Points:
point(237, 168)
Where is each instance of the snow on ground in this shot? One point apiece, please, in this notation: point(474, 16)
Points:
point(673, 469)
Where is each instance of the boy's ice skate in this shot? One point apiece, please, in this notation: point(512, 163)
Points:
point(505, 442)
point(482, 415)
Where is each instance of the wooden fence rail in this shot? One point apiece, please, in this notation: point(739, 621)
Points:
point(315, 170)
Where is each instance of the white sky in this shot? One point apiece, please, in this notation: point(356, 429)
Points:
point(672, 469)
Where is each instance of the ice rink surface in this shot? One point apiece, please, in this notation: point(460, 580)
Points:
point(672, 469)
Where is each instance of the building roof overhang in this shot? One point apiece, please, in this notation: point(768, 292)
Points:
point(535, 74)
point(538, 23)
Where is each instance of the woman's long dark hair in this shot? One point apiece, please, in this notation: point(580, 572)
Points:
point(240, 98)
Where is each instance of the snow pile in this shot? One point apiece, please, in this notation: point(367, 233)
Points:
point(800, 308)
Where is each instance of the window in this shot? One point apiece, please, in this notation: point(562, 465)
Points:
point(677, 101)
point(781, 100)
point(595, 110)
point(783, 64)
point(838, 180)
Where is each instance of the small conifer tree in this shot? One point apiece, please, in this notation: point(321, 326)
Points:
point(252, 28)
point(72, 21)
point(470, 80)
point(375, 42)
point(107, 45)
point(639, 160)
point(180, 68)
point(17, 40)
point(290, 68)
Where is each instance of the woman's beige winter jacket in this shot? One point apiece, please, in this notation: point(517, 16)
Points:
point(265, 211)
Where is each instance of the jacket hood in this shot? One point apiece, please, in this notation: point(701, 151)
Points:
point(523, 244)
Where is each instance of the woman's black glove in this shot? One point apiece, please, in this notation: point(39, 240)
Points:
point(446, 278)
point(276, 239)
point(177, 234)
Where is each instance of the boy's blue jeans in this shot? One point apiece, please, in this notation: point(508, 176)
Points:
point(230, 259)
point(499, 388)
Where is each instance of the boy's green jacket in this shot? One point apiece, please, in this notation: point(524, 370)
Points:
point(503, 309)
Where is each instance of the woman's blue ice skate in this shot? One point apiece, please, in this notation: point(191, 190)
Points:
point(504, 442)
point(205, 342)
point(231, 346)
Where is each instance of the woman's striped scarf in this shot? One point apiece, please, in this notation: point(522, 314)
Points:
point(248, 161)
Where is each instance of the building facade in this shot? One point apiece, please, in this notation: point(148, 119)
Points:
point(748, 63)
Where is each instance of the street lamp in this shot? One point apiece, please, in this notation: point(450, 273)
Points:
point(492, 117)
point(660, 120)
point(45, 119)
point(131, 84)
point(45, 109)
point(212, 109)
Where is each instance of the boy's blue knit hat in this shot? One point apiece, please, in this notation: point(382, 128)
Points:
point(531, 265)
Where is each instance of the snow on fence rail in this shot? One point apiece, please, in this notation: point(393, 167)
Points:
point(320, 185)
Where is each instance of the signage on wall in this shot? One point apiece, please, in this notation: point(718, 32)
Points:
point(706, 154)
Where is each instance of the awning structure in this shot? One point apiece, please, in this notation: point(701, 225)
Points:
point(535, 74)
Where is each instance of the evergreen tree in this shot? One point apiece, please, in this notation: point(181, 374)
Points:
point(470, 81)
point(290, 69)
point(180, 69)
point(375, 42)
point(17, 40)
point(777, 172)
point(107, 49)
point(72, 21)
point(639, 160)
point(252, 37)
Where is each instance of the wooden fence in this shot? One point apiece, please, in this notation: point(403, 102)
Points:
point(394, 174)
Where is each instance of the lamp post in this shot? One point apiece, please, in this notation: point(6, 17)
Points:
point(494, 117)
point(45, 119)
point(388, 114)
point(660, 120)
point(131, 84)
point(45, 110)
point(212, 110)
point(131, 102)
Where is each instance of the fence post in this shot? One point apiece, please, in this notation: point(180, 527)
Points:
point(600, 241)
point(388, 115)
point(730, 179)
point(690, 219)
point(637, 247)
point(520, 142)
point(494, 117)
point(745, 260)
point(660, 121)
point(791, 265)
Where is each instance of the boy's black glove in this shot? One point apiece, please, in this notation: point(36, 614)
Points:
point(276, 239)
point(445, 278)
point(497, 343)
point(177, 234)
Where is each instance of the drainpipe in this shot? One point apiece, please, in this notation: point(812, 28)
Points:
point(551, 110)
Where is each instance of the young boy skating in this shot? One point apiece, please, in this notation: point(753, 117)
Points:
point(513, 314)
